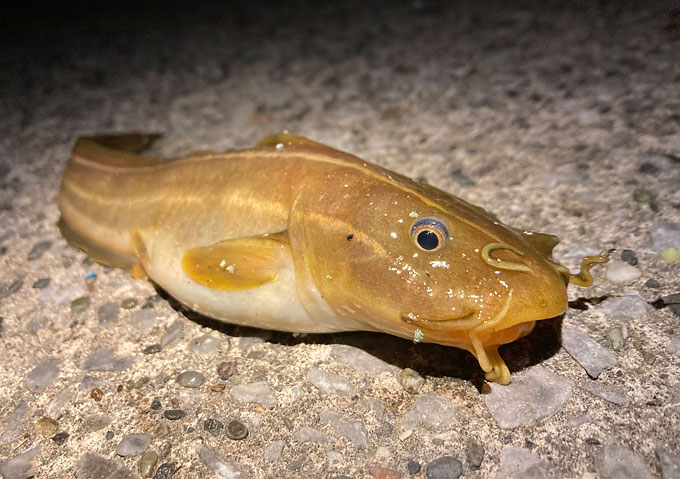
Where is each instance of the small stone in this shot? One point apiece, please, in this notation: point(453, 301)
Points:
point(173, 333)
point(15, 423)
point(385, 430)
point(360, 360)
point(80, 305)
point(165, 471)
point(56, 408)
point(671, 255)
point(652, 283)
point(628, 307)
point(165, 448)
point(460, 177)
point(108, 313)
point(190, 379)
point(109, 435)
point(445, 467)
point(618, 337)
point(517, 462)
point(620, 272)
point(534, 394)
point(352, 429)
point(670, 464)
point(128, 303)
point(38, 250)
point(274, 451)
point(383, 473)
point(21, 466)
point(226, 369)
point(95, 422)
point(144, 320)
point(133, 445)
point(43, 375)
point(205, 346)
point(608, 393)
point(411, 381)
point(474, 454)
point(97, 394)
point(645, 196)
point(236, 430)
point(60, 438)
point(257, 392)
point(587, 352)
point(217, 388)
point(138, 383)
point(413, 467)
point(46, 427)
point(103, 360)
point(665, 235)
point(330, 383)
point(41, 283)
point(152, 349)
point(431, 411)
point(213, 426)
point(217, 463)
point(94, 466)
point(147, 463)
point(156, 404)
point(309, 434)
point(174, 414)
point(11, 288)
point(618, 461)
point(629, 257)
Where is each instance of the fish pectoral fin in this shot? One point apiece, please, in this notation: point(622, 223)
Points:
point(237, 264)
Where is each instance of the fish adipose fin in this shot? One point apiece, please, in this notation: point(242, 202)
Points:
point(237, 264)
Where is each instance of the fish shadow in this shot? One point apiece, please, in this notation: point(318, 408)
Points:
point(427, 359)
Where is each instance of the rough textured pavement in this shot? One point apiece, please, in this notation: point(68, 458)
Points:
point(563, 119)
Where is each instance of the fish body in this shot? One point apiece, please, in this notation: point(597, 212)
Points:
point(296, 236)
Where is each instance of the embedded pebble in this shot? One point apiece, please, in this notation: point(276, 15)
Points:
point(431, 411)
point(621, 272)
point(579, 251)
point(257, 392)
point(152, 349)
point(618, 337)
point(190, 379)
point(274, 451)
point(608, 393)
point(133, 444)
point(173, 333)
point(217, 463)
point(94, 466)
point(38, 250)
point(46, 427)
point(80, 305)
point(213, 426)
point(204, 346)
point(413, 467)
point(670, 464)
point(411, 380)
point(352, 429)
point(41, 283)
point(174, 414)
point(236, 430)
point(95, 422)
point(674, 346)
point(103, 360)
point(379, 472)
point(517, 462)
point(445, 467)
point(147, 463)
point(60, 438)
point(128, 303)
point(628, 307)
point(360, 360)
point(330, 383)
point(56, 408)
point(587, 352)
point(629, 257)
point(665, 236)
point(534, 394)
point(309, 434)
point(107, 313)
point(165, 470)
point(109, 435)
point(373, 404)
point(43, 375)
point(156, 404)
point(619, 461)
point(226, 369)
point(11, 288)
point(144, 320)
point(474, 454)
point(20, 466)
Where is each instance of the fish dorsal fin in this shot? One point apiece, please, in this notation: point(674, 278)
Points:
point(288, 139)
point(117, 150)
point(237, 264)
point(543, 242)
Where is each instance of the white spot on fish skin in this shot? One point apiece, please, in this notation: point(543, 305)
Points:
point(400, 220)
point(400, 258)
point(279, 146)
point(413, 214)
point(328, 276)
point(346, 185)
point(417, 336)
point(395, 202)
point(230, 268)
point(393, 234)
point(223, 263)
point(439, 264)
point(415, 255)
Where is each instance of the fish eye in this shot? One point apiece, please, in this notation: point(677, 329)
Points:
point(429, 234)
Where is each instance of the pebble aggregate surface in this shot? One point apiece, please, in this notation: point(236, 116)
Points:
point(556, 117)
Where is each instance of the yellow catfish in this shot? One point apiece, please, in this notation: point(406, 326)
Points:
point(296, 236)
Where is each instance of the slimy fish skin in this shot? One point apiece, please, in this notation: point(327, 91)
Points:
point(293, 235)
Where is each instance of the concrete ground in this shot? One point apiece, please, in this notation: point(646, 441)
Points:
point(563, 118)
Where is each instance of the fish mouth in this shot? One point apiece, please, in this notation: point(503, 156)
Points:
point(464, 321)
